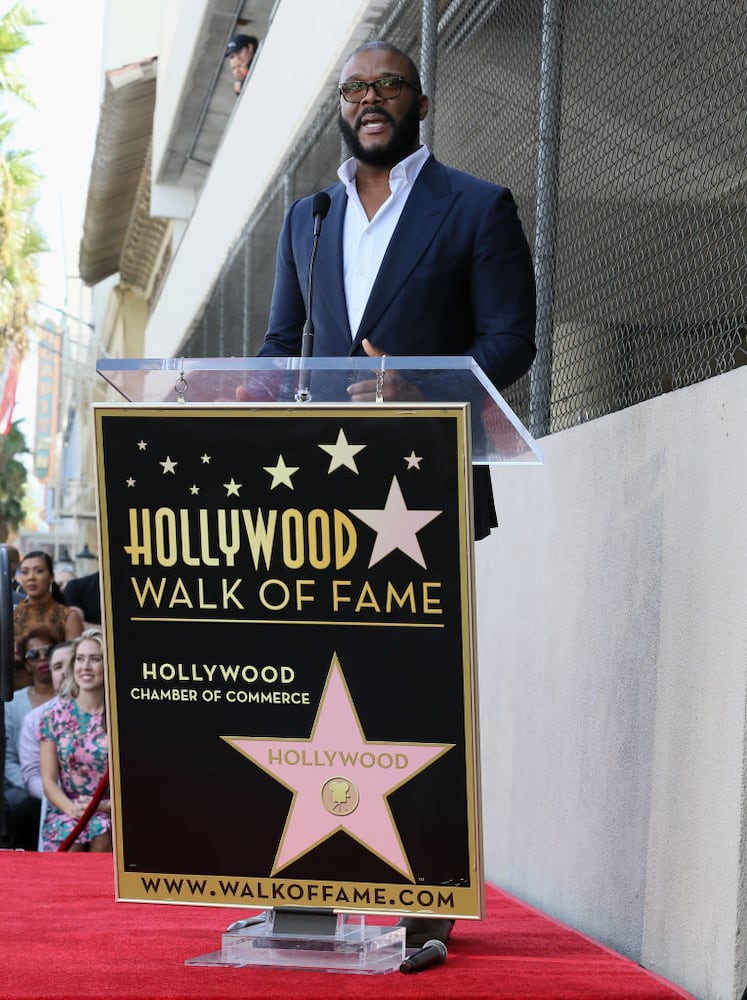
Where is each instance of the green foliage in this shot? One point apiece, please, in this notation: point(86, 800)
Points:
point(20, 239)
point(12, 39)
point(13, 478)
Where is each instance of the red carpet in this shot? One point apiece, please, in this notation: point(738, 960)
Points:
point(63, 937)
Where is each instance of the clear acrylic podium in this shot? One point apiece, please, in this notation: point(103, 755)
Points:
point(305, 938)
point(498, 436)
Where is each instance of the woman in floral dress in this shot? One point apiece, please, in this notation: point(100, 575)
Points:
point(74, 750)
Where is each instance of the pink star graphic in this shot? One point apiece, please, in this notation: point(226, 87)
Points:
point(338, 756)
point(396, 527)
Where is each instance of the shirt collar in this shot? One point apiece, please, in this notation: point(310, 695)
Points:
point(409, 168)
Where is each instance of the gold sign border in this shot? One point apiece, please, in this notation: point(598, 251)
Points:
point(461, 902)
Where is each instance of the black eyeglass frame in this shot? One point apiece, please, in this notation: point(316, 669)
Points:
point(374, 83)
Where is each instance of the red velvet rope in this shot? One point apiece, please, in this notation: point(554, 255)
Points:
point(89, 811)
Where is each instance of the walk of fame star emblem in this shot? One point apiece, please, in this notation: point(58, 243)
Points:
point(323, 800)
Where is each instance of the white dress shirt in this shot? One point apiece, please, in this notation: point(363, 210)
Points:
point(365, 242)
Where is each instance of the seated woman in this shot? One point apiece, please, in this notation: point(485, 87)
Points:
point(44, 603)
point(28, 747)
point(74, 750)
point(34, 648)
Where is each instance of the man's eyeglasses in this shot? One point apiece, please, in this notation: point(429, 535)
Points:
point(386, 87)
point(41, 652)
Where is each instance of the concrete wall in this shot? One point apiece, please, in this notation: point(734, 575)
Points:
point(612, 621)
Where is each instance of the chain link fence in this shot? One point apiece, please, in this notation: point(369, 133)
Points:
point(620, 128)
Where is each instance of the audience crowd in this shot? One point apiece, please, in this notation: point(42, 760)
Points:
point(55, 782)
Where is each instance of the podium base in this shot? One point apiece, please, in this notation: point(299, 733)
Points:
point(352, 945)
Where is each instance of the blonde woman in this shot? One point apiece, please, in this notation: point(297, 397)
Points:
point(74, 750)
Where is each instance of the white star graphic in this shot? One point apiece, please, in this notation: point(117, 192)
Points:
point(169, 466)
point(142, 445)
point(281, 473)
point(341, 453)
point(205, 459)
point(130, 482)
point(396, 527)
point(194, 490)
point(413, 460)
point(232, 488)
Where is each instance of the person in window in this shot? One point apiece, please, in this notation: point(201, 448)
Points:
point(240, 52)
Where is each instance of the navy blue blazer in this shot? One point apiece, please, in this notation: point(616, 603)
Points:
point(457, 278)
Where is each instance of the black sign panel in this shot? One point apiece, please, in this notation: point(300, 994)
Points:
point(288, 610)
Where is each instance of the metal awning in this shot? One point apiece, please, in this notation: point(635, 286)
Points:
point(116, 208)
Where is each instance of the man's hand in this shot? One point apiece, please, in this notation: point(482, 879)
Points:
point(395, 388)
point(260, 387)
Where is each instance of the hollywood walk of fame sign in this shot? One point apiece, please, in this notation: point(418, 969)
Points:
point(289, 619)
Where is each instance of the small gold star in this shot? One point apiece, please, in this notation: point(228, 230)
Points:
point(169, 466)
point(205, 459)
point(130, 482)
point(281, 473)
point(142, 445)
point(194, 490)
point(413, 460)
point(232, 488)
point(341, 453)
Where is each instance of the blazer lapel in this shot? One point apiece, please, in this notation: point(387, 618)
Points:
point(424, 212)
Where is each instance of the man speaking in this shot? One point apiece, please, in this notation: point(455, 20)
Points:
point(414, 258)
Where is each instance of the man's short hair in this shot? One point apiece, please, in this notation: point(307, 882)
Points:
point(378, 43)
point(239, 42)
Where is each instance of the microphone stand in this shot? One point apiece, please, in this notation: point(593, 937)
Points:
point(320, 207)
point(303, 392)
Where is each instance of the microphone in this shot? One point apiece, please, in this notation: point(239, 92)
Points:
point(432, 953)
point(319, 207)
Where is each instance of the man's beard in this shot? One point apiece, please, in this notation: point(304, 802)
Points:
point(404, 140)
